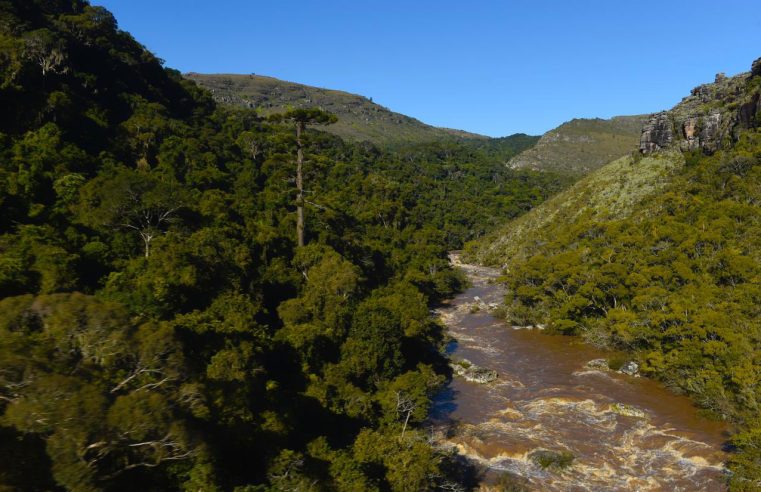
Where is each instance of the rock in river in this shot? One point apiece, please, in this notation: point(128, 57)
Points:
point(598, 364)
point(472, 372)
point(627, 410)
point(631, 368)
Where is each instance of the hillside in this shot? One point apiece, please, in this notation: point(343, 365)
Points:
point(711, 118)
point(359, 118)
point(582, 145)
point(611, 192)
point(161, 327)
point(658, 256)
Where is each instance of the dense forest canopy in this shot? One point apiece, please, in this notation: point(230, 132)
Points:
point(159, 326)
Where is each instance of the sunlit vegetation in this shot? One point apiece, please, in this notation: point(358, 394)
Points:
point(670, 273)
point(161, 328)
point(582, 145)
point(359, 118)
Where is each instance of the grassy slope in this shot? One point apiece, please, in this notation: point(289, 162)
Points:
point(609, 193)
point(659, 256)
point(358, 117)
point(580, 146)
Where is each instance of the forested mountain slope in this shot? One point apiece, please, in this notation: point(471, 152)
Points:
point(582, 145)
point(359, 117)
point(160, 329)
point(660, 256)
point(612, 192)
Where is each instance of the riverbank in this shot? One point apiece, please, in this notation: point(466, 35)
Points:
point(557, 422)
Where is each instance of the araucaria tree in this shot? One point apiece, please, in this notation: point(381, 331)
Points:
point(301, 118)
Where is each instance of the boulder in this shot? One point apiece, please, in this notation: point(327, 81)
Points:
point(598, 364)
point(630, 368)
point(627, 410)
point(472, 372)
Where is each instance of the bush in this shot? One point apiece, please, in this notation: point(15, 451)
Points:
point(552, 459)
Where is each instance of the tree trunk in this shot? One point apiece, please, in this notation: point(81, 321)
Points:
point(299, 185)
point(405, 423)
point(147, 240)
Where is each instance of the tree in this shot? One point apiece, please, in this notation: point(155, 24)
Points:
point(42, 48)
point(301, 118)
point(132, 200)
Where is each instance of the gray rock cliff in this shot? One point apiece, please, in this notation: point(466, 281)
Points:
point(710, 116)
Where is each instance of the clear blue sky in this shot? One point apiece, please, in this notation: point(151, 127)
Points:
point(491, 67)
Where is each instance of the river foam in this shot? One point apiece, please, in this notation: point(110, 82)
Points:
point(624, 433)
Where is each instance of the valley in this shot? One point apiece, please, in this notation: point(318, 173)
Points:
point(553, 396)
point(231, 282)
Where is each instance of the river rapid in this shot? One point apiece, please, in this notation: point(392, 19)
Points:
point(547, 398)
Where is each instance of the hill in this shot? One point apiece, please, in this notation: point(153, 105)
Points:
point(161, 328)
point(359, 118)
point(658, 256)
point(711, 118)
point(582, 145)
point(612, 192)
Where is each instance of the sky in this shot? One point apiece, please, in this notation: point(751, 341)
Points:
point(490, 67)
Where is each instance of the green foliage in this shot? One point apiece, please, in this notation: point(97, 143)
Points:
point(552, 459)
point(307, 116)
point(581, 146)
point(359, 119)
point(673, 278)
point(159, 326)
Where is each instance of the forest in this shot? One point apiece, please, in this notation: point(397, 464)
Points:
point(676, 284)
point(161, 327)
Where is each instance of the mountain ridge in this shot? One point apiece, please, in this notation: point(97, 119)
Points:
point(360, 118)
point(582, 145)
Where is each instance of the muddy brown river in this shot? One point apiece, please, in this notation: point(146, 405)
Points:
point(546, 398)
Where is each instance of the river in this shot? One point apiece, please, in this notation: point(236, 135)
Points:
point(546, 398)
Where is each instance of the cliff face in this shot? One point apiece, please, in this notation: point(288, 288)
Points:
point(709, 118)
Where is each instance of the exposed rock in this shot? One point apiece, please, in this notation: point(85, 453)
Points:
point(598, 364)
point(702, 133)
point(756, 68)
point(627, 410)
point(749, 114)
point(630, 368)
point(657, 133)
point(472, 372)
point(710, 116)
point(528, 327)
point(481, 305)
point(710, 133)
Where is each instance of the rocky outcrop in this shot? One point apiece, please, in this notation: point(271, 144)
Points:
point(472, 372)
point(755, 69)
point(701, 132)
point(657, 134)
point(749, 114)
point(710, 116)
